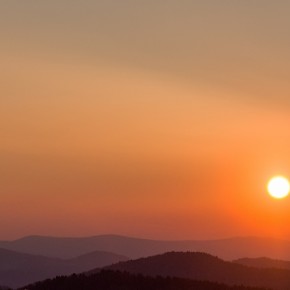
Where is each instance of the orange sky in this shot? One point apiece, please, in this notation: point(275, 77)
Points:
point(152, 120)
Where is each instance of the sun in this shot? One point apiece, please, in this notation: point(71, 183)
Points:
point(279, 187)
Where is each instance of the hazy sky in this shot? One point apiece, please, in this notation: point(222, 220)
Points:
point(160, 119)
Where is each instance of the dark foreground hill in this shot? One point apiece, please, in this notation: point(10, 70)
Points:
point(18, 269)
point(110, 280)
point(264, 263)
point(201, 266)
point(227, 249)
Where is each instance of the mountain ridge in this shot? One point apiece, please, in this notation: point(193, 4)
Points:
point(204, 267)
point(18, 269)
point(108, 280)
point(263, 262)
point(70, 247)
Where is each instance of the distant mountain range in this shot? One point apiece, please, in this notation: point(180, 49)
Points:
point(18, 269)
point(228, 249)
point(204, 267)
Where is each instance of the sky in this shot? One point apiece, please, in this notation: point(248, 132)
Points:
point(156, 119)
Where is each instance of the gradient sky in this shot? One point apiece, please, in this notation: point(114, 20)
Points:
point(158, 119)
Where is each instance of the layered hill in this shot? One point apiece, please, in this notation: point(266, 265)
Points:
point(95, 259)
point(264, 263)
point(18, 269)
point(228, 249)
point(201, 266)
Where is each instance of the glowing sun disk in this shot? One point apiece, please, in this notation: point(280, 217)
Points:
point(279, 187)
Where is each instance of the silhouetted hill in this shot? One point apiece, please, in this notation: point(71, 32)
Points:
point(228, 249)
point(201, 266)
point(264, 263)
point(108, 280)
point(18, 269)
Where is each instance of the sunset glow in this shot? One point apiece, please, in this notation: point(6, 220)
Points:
point(158, 119)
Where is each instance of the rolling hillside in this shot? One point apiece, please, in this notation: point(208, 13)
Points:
point(110, 280)
point(228, 249)
point(18, 269)
point(264, 263)
point(201, 266)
